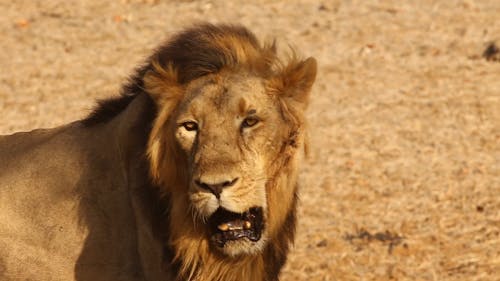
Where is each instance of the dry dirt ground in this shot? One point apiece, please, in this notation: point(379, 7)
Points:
point(403, 178)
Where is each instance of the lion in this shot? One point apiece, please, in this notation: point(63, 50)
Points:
point(189, 174)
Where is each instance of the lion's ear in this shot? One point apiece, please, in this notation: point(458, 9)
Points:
point(294, 82)
point(161, 83)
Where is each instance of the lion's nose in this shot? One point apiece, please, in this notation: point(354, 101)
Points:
point(216, 188)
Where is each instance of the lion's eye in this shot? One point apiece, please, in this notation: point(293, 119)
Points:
point(190, 126)
point(250, 122)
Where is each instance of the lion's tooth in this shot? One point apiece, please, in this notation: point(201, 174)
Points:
point(235, 225)
point(223, 227)
point(247, 225)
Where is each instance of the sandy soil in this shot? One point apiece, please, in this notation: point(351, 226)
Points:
point(403, 180)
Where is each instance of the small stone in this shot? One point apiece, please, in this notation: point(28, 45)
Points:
point(492, 52)
point(321, 244)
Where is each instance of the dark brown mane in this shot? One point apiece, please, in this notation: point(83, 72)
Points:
point(195, 52)
point(107, 109)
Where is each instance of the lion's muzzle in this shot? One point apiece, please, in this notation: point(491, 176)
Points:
point(215, 188)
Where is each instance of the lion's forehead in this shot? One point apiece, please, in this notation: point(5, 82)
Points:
point(227, 95)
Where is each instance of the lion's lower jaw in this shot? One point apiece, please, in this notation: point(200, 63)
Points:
point(243, 247)
point(200, 259)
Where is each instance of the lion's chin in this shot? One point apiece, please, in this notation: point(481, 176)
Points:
point(237, 233)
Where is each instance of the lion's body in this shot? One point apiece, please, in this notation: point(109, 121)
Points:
point(190, 175)
point(66, 205)
point(34, 234)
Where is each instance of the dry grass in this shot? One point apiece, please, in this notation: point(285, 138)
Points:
point(403, 181)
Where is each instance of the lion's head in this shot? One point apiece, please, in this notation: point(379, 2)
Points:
point(227, 138)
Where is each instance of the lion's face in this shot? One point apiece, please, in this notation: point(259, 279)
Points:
point(224, 148)
point(230, 131)
point(225, 142)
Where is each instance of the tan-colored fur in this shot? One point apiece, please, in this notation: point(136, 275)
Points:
point(122, 195)
point(251, 78)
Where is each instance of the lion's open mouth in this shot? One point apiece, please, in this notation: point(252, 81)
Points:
point(228, 226)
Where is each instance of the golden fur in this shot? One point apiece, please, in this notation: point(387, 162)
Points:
point(285, 84)
point(211, 106)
